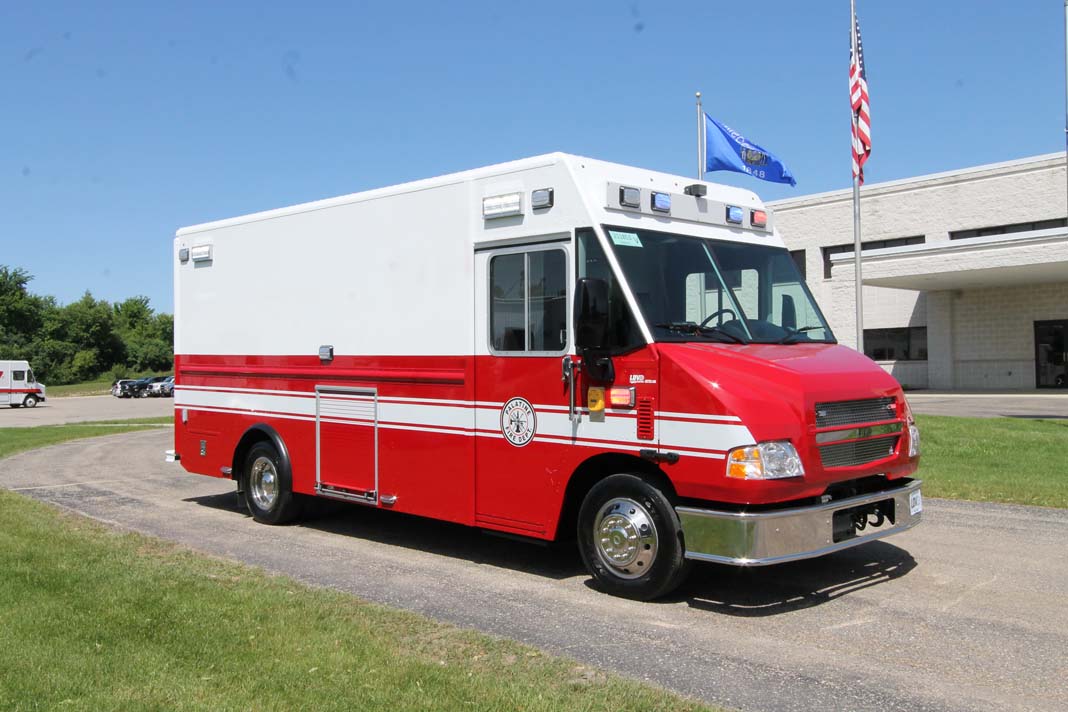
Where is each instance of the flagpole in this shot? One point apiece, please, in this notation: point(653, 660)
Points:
point(701, 133)
point(856, 196)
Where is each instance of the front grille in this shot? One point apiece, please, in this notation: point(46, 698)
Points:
point(857, 411)
point(859, 452)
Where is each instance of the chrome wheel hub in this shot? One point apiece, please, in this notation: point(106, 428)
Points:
point(625, 537)
point(263, 483)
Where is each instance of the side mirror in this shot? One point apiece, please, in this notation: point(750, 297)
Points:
point(591, 313)
point(599, 367)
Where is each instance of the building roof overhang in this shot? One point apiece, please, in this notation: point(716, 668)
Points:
point(1016, 259)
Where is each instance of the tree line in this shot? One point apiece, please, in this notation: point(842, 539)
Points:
point(84, 339)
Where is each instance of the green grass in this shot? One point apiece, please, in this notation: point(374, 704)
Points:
point(1013, 460)
point(14, 440)
point(95, 619)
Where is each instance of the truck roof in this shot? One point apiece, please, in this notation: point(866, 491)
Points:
point(603, 170)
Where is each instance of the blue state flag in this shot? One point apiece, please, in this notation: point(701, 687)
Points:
point(728, 150)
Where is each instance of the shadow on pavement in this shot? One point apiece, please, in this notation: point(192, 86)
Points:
point(768, 591)
point(755, 592)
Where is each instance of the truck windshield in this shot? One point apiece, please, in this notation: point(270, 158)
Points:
point(695, 289)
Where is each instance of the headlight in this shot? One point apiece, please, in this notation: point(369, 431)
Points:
point(765, 461)
point(914, 432)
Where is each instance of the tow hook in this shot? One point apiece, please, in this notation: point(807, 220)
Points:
point(850, 522)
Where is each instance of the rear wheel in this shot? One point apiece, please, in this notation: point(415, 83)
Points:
point(630, 539)
point(30, 401)
point(267, 487)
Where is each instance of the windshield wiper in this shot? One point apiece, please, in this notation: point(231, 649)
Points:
point(797, 333)
point(688, 327)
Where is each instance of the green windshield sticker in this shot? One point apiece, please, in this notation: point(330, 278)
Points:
point(625, 239)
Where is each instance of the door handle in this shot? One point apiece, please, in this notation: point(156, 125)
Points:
point(568, 367)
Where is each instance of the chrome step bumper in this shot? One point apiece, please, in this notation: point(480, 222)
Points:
point(763, 538)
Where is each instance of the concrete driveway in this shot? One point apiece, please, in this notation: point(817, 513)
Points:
point(965, 612)
point(79, 409)
point(1027, 404)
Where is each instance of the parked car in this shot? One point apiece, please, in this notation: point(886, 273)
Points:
point(117, 387)
point(162, 388)
point(139, 387)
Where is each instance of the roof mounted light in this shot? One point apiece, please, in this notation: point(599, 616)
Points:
point(500, 206)
point(758, 218)
point(734, 214)
point(630, 197)
point(660, 202)
point(541, 198)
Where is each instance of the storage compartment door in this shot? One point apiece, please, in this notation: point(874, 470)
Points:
point(346, 443)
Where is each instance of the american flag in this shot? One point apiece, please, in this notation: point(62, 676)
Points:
point(858, 99)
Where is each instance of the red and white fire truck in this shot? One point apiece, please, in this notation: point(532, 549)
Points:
point(552, 347)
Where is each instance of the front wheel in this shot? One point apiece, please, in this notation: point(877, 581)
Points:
point(267, 487)
point(630, 539)
point(30, 401)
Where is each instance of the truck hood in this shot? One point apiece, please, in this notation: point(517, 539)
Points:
point(774, 388)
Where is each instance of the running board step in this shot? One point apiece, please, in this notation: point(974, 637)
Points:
point(349, 495)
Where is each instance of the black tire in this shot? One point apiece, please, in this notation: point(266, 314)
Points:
point(30, 401)
point(627, 518)
point(269, 502)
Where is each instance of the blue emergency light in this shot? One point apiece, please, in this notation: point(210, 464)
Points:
point(661, 202)
point(734, 214)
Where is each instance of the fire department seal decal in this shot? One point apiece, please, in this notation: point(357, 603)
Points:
point(518, 421)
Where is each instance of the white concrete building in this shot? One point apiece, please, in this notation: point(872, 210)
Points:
point(965, 273)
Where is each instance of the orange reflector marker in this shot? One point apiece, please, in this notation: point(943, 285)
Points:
point(621, 397)
point(595, 399)
point(758, 218)
point(745, 463)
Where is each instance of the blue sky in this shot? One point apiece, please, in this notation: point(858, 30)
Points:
point(123, 121)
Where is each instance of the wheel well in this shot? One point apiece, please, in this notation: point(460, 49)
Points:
point(256, 434)
point(596, 469)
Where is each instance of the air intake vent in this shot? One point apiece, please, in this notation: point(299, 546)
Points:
point(860, 452)
point(857, 411)
point(646, 430)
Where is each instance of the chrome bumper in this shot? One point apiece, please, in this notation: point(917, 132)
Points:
point(763, 538)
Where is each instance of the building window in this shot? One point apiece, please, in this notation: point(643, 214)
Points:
point(832, 250)
point(799, 260)
point(1005, 229)
point(904, 344)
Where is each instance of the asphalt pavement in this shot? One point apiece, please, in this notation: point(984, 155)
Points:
point(79, 409)
point(968, 611)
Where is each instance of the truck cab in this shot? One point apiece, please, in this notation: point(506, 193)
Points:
point(18, 386)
